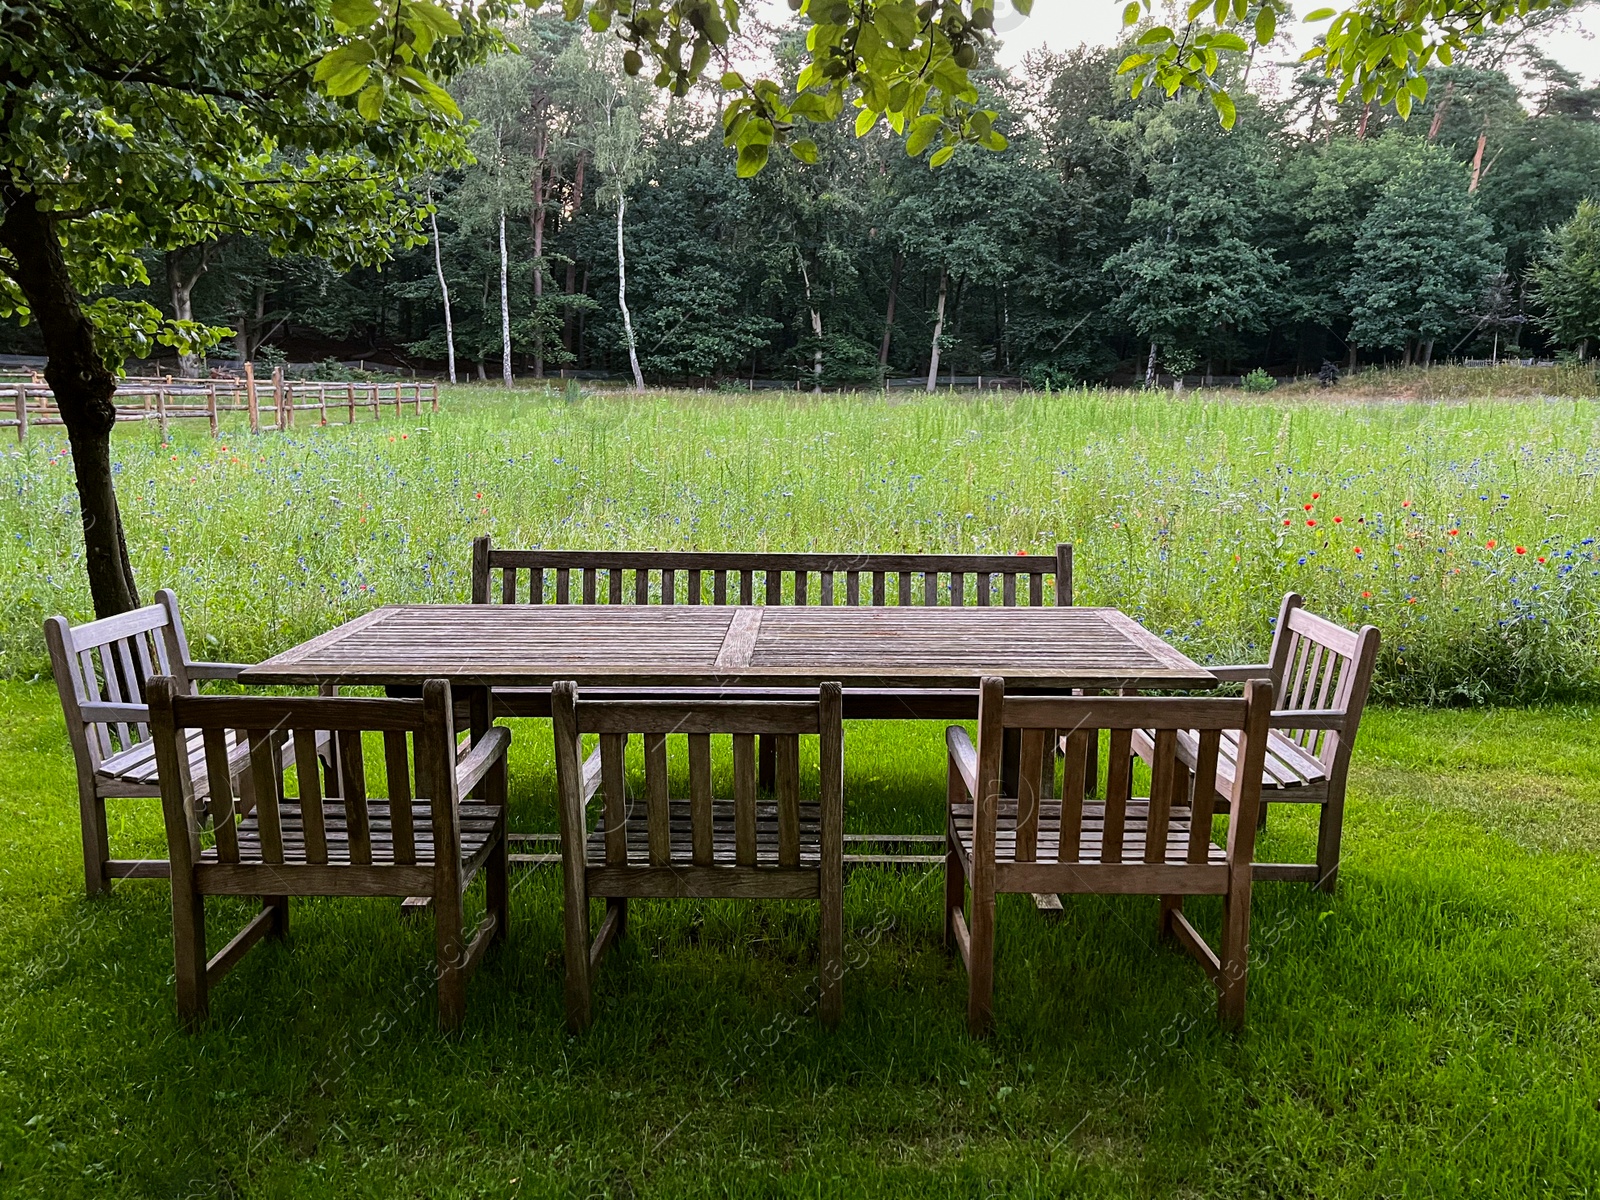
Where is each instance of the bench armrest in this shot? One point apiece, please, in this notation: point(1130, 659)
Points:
point(964, 757)
point(477, 759)
point(1242, 674)
point(1309, 718)
point(591, 775)
point(211, 670)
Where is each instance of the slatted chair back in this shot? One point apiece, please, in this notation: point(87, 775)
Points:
point(323, 827)
point(1042, 838)
point(101, 670)
point(1321, 673)
point(704, 577)
point(650, 842)
point(318, 829)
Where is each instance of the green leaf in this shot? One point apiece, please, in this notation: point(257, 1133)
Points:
point(1197, 7)
point(1417, 85)
point(732, 81)
point(432, 94)
point(1321, 14)
point(1228, 41)
point(941, 156)
point(1130, 14)
point(1266, 25)
point(866, 121)
point(354, 13)
point(1224, 105)
point(370, 103)
point(752, 158)
point(805, 150)
point(436, 19)
point(923, 130)
point(1151, 36)
point(356, 54)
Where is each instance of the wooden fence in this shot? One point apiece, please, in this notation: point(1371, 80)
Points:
point(270, 403)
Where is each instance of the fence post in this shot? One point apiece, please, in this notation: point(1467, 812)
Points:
point(250, 397)
point(350, 402)
point(277, 398)
point(322, 401)
point(435, 389)
point(211, 406)
point(161, 411)
point(22, 412)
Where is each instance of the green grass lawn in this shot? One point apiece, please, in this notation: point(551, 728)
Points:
point(1430, 1030)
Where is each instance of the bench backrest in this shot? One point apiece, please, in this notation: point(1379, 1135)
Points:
point(1322, 668)
point(655, 843)
point(101, 670)
point(418, 751)
point(708, 577)
point(1176, 828)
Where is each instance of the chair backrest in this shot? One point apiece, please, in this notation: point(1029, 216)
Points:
point(102, 668)
point(706, 841)
point(696, 577)
point(1174, 829)
point(418, 755)
point(1322, 668)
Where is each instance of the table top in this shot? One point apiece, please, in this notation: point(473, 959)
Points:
point(531, 645)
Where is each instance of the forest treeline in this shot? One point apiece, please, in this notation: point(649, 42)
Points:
point(1112, 239)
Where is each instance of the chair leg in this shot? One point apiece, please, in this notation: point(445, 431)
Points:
point(497, 890)
point(1261, 815)
point(1330, 831)
point(450, 959)
point(96, 841)
point(980, 965)
point(830, 966)
point(575, 915)
point(618, 905)
point(1169, 905)
point(1235, 956)
point(189, 951)
point(280, 915)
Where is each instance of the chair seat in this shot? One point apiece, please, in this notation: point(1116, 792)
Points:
point(478, 825)
point(1135, 833)
point(1290, 774)
point(722, 839)
point(132, 772)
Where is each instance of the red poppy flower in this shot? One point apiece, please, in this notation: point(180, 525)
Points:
point(1522, 549)
point(1405, 504)
point(1311, 524)
point(1316, 495)
point(1308, 508)
point(1366, 595)
point(1491, 543)
point(1452, 532)
point(1541, 558)
point(1338, 520)
point(1286, 521)
point(1357, 551)
point(477, 495)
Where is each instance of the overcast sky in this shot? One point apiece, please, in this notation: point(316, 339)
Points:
point(1063, 24)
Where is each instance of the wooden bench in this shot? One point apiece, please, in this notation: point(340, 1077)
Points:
point(1040, 838)
point(101, 669)
point(746, 847)
point(330, 838)
point(1320, 674)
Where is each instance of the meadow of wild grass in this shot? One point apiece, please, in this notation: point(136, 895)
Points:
point(1465, 530)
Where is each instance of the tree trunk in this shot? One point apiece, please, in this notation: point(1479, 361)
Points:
point(444, 290)
point(1427, 353)
point(622, 296)
point(180, 286)
point(1477, 162)
point(1405, 360)
point(816, 330)
point(888, 317)
point(1150, 366)
point(1353, 352)
point(1439, 112)
point(1366, 115)
point(84, 390)
point(1583, 349)
point(536, 223)
point(568, 324)
point(938, 330)
point(505, 307)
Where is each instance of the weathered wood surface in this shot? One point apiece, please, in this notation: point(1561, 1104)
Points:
point(1046, 648)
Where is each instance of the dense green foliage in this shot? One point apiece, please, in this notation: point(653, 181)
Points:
point(1108, 225)
point(1466, 532)
point(1568, 278)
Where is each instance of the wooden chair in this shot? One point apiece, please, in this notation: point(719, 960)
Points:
point(101, 670)
point(331, 839)
point(1031, 841)
point(699, 847)
point(1320, 674)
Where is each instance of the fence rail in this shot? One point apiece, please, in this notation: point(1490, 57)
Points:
point(270, 403)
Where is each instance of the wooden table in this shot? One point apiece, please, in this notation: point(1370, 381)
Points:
point(919, 663)
point(526, 645)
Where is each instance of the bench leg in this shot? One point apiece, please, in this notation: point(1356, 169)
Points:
point(96, 841)
point(189, 951)
point(1235, 956)
point(1330, 831)
point(450, 952)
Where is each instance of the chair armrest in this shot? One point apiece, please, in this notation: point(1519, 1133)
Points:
point(211, 670)
point(964, 757)
point(1242, 674)
point(482, 755)
point(116, 714)
point(1309, 718)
